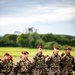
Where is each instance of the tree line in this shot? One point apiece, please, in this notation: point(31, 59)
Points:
point(31, 39)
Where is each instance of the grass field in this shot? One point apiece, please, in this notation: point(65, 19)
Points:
point(16, 51)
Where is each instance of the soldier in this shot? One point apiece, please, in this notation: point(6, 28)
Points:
point(6, 65)
point(23, 66)
point(38, 63)
point(53, 62)
point(67, 61)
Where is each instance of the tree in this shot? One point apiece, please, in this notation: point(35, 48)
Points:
point(9, 40)
point(39, 42)
point(52, 44)
point(48, 37)
point(30, 30)
point(17, 32)
point(22, 40)
point(30, 38)
point(72, 42)
point(35, 36)
point(47, 45)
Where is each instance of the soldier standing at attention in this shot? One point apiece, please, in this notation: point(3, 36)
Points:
point(67, 61)
point(53, 62)
point(6, 65)
point(38, 63)
point(23, 66)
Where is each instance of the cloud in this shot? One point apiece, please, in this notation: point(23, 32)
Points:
point(17, 7)
point(16, 14)
point(41, 14)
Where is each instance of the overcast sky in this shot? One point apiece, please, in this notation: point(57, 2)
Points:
point(47, 16)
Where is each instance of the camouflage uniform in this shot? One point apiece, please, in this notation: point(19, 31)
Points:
point(61, 65)
point(53, 64)
point(6, 67)
point(74, 69)
point(38, 65)
point(67, 62)
point(22, 67)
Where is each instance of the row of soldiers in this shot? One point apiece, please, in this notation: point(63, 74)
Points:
point(40, 65)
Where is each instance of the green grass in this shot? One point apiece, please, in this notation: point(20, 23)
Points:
point(16, 51)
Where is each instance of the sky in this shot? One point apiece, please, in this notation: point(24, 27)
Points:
point(47, 16)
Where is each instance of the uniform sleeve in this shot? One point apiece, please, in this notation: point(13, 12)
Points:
point(17, 65)
point(15, 69)
point(48, 61)
point(29, 65)
point(33, 61)
point(62, 62)
point(73, 60)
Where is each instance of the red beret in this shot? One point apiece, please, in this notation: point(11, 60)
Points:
point(6, 54)
point(56, 47)
point(11, 58)
point(68, 48)
point(25, 52)
point(39, 46)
